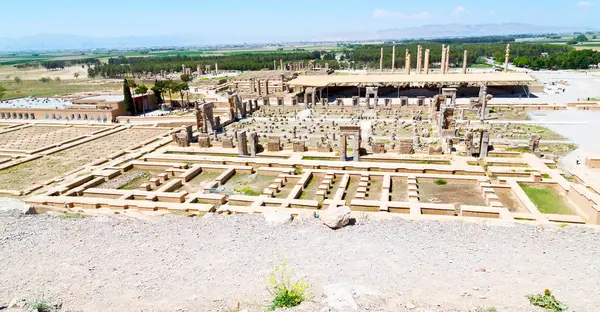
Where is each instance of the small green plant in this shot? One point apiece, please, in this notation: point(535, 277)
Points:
point(545, 175)
point(286, 292)
point(41, 304)
point(298, 171)
point(440, 182)
point(248, 191)
point(547, 301)
point(71, 215)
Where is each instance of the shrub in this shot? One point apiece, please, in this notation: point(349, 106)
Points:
point(547, 301)
point(41, 305)
point(286, 292)
point(440, 182)
point(248, 191)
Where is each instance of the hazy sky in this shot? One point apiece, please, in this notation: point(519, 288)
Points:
point(275, 20)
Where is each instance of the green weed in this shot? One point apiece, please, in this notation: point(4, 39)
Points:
point(547, 301)
point(286, 292)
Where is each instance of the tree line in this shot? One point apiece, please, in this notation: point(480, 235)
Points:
point(535, 56)
point(59, 64)
point(118, 67)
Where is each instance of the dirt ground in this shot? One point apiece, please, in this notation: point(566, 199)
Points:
point(462, 194)
point(212, 263)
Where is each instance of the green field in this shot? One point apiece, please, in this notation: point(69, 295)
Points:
point(53, 88)
point(546, 199)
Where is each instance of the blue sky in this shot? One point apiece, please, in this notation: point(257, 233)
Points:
point(273, 20)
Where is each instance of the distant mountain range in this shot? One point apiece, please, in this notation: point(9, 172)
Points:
point(70, 42)
point(457, 30)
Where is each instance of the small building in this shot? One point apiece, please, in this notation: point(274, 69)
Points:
point(100, 108)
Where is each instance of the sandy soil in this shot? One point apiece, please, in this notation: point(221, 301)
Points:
point(34, 74)
point(213, 263)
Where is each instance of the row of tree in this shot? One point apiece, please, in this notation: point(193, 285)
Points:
point(121, 66)
point(59, 64)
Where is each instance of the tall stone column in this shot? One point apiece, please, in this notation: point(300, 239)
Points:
point(216, 68)
point(419, 59)
point(393, 58)
point(485, 141)
point(443, 66)
point(483, 101)
point(281, 64)
point(274, 65)
point(465, 62)
point(447, 59)
point(381, 61)
point(267, 86)
point(242, 143)
point(407, 62)
point(253, 143)
point(426, 61)
point(507, 57)
point(313, 98)
point(259, 87)
point(305, 97)
point(343, 148)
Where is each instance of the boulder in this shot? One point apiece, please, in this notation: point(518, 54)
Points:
point(277, 217)
point(14, 206)
point(335, 217)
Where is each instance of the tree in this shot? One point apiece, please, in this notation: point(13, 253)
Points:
point(17, 79)
point(186, 78)
point(2, 91)
point(128, 98)
point(581, 38)
point(76, 75)
point(158, 88)
point(92, 72)
point(141, 89)
point(180, 87)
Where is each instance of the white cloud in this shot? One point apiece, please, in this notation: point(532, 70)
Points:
point(380, 13)
point(584, 4)
point(459, 9)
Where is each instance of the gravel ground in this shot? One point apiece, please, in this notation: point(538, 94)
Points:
point(211, 263)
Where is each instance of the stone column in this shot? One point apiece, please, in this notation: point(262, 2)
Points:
point(305, 97)
point(281, 64)
point(216, 68)
point(259, 87)
point(407, 61)
point(253, 141)
point(393, 58)
point(447, 59)
point(485, 141)
point(419, 59)
point(483, 101)
point(267, 87)
point(356, 147)
point(507, 57)
point(343, 147)
point(274, 65)
point(242, 143)
point(426, 61)
point(443, 66)
point(381, 61)
point(465, 62)
point(313, 98)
